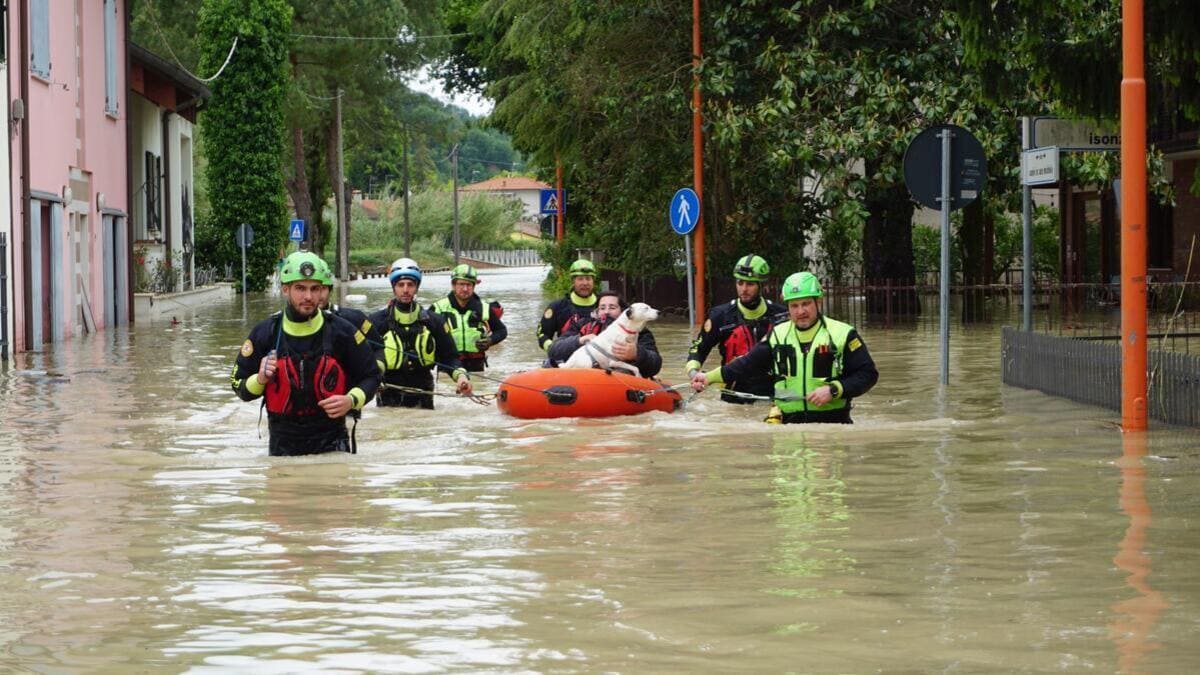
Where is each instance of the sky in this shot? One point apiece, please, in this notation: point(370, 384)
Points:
point(425, 83)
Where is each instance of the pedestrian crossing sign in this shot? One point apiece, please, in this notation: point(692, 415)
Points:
point(296, 230)
point(549, 201)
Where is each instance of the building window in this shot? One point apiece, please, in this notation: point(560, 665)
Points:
point(111, 66)
point(39, 29)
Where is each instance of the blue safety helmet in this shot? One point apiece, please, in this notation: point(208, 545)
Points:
point(404, 268)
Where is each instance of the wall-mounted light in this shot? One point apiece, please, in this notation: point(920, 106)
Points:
point(100, 201)
point(67, 195)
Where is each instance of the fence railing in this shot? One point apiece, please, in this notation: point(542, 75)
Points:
point(1087, 310)
point(521, 257)
point(1089, 371)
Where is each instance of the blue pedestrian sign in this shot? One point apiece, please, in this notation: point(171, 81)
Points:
point(296, 230)
point(549, 201)
point(684, 211)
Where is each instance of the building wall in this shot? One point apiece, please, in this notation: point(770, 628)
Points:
point(77, 152)
point(177, 184)
point(6, 221)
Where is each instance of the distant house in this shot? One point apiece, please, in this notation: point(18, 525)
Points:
point(69, 179)
point(526, 190)
point(162, 118)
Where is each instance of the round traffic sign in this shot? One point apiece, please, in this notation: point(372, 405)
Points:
point(684, 211)
point(923, 167)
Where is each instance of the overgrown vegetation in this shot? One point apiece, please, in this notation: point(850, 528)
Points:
point(485, 222)
point(243, 126)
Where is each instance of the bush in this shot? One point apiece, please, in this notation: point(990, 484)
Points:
point(485, 222)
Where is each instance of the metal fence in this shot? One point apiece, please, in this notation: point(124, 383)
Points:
point(1089, 371)
point(521, 257)
point(1090, 311)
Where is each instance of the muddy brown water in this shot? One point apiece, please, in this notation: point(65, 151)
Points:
point(143, 528)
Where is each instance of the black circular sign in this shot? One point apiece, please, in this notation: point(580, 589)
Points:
point(923, 167)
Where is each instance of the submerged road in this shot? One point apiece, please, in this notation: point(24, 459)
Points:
point(143, 528)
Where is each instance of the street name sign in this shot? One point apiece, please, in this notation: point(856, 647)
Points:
point(1039, 166)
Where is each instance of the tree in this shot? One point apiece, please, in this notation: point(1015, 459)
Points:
point(243, 123)
point(1071, 51)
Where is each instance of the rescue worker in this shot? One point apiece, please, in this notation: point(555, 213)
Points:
point(414, 342)
point(474, 324)
point(356, 317)
point(580, 302)
point(734, 327)
point(822, 363)
point(609, 305)
point(312, 367)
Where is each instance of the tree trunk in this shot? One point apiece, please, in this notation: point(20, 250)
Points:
point(973, 241)
point(297, 185)
point(888, 266)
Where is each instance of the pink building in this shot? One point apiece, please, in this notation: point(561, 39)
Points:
point(70, 180)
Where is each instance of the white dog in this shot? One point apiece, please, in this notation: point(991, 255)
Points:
point(625, 328)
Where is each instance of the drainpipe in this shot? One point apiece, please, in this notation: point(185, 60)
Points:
point(164, 205)
point(23, 130)
point(129, 273)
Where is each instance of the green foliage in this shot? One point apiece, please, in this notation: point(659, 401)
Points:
point(559, 257)
point(243, 124)
point(485, 222)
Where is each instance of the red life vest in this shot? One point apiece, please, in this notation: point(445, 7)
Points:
point(592, 327)
point(303, 380)
point(740, 340)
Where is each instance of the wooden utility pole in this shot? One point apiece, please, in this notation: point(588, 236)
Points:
point(407, 226)
point(454, 163)
point(559, 230)
point(698, 160)
point(343, 230)
point(1133, 219)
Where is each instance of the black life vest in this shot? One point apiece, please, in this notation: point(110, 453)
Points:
point(303, 380)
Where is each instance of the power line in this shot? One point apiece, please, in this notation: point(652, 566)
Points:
point(320, 98)
point(167, 44)
point(394, 38)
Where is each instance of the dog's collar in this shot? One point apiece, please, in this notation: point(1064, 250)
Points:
point(629, 332)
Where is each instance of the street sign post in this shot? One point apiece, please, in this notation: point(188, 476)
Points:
point(945, 169)
point(244, 237)
point(684, 212)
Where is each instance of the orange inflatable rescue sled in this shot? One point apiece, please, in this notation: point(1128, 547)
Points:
point(581, 392)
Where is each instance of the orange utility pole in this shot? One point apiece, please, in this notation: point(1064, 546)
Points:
point(558, 230)
point(1133, 219)
point(698, 161)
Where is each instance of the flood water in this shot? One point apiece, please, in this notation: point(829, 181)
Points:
point(144, 528)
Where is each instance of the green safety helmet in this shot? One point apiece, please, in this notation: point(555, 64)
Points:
point(751, 268)
point(582, 268)
point(464, 272)
point(301, 266)
point(324, 274)
point(801, 285)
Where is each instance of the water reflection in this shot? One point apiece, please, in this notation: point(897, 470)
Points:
point(1136, 618)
